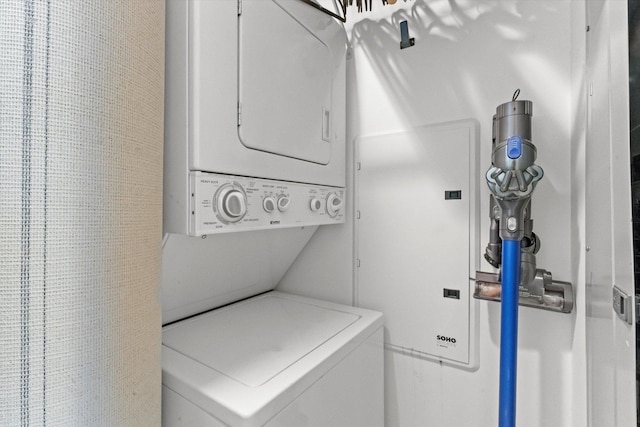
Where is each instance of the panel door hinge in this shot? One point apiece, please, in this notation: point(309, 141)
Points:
point(357, 263)
point(622, 305)
point(239, 7)
point(239, 114)
point(358, 215)
point(358, 166)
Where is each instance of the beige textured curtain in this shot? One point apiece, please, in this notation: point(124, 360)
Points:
point(81, 112)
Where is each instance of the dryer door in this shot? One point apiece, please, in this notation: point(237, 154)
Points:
point(285, 79)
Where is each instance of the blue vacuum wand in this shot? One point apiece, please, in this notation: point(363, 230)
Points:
point(512, 178)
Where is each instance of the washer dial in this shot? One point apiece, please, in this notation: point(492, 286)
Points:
point(269, 204)
point(334, 204)
point(315, 205)
point(231, 202)
point(283, 203)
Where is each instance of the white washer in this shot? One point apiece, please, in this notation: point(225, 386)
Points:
point(254, 163)
point(275, 360)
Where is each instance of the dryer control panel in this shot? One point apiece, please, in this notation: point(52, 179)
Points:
point(227, 203)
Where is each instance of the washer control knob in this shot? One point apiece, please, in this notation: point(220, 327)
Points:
point(269, 204)
point(283, 203)
point(231, 203)
point(315, 205)
point(334, 204)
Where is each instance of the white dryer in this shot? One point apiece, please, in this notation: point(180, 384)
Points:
point(254, 163)
point(255, 88)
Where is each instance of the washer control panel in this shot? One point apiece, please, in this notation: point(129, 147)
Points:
point(227, 203)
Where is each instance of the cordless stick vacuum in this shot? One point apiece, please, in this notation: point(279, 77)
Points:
point(512, 247)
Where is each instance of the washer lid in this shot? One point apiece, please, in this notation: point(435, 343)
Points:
point(251, 342)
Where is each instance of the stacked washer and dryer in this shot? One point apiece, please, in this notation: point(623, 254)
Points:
point(254, 164)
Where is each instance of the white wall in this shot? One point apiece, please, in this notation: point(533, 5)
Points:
point(607, 221)
point(469, 57)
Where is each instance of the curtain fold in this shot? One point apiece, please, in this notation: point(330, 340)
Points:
point(81, 131)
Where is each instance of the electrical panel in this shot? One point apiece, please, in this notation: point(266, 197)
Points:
point(418, 237)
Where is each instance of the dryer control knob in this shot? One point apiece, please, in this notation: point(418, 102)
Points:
point(269, 204)
point(315, 205)
point(231, 203)
point(334, 204)
point(283, 203)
